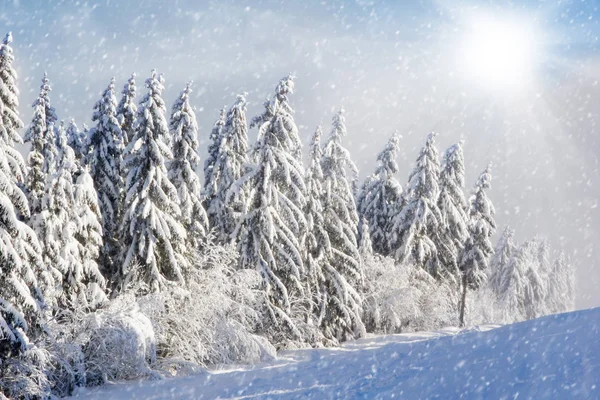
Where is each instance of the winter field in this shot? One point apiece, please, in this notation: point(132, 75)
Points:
point(553, 357)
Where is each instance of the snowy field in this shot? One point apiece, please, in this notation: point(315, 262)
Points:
point(554, 357)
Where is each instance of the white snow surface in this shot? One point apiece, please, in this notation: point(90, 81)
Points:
point(554, 357)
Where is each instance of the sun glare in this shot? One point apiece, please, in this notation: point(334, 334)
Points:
point(498, 53)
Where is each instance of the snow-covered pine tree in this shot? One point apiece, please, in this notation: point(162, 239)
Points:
point(474, 258)
point(561, 286)
point(343, 270)
point(226, 206)
point(537, 278)
point(59, 226)
point(270, 234)
point(21, 299)
point(453, 229)
point(77, 140)
point(42, 140)
point(126, 110)
point(152, 236)
point(210, 180)
point(498, 274)
point(378, 198)
point(318, 248)
point(512, 297)
point(88, 281)
point(417, 221)
point(105, 149)
point(182, 169)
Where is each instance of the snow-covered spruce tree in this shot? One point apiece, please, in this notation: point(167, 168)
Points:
point(210, 180)
point(226, 206)
point(561, 286)
point(343, 271)
point(182, 169)
point(152, 237)
point(378, 198)
point(453, 229)
point(42, 140)
point(270, 234)
point(498, 274)
point(126, 110)
point(417, 221)
point(88, 281)
point(77, 140)
point(537, 278)
point(104, 159)
point(474, 258)
point(80, 284)
point(318, 248)
point(21, 299)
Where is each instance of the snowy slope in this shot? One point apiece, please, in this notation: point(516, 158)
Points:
point(555, 357)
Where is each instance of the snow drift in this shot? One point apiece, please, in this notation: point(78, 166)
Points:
point(557, 356)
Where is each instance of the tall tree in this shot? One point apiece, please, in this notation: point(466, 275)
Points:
point(343, 270)
point(152, 236)
point(210, 179)
point(453, 230)
point(270, 234)
point(318, 247)
point(104, 158)
point(416, 224)
point(41, 135)
point(499, 274)
point(474, 258)
point(60, 224)
point(182, 169)
point(21, 272)
point(378, 198)
point(226, 206)
point(126, 110)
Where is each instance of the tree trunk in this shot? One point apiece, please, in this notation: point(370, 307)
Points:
point(463, 301)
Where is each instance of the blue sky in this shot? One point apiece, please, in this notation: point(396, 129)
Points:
point(391, 64)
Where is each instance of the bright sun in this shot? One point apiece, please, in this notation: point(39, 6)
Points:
point(499, 53)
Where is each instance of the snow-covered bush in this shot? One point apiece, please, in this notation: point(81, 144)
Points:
point(401, 297)
point(212, 319)
point(121, 343)
point(24, 376)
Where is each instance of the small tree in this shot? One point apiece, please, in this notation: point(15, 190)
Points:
point(182, 169)
point(417, 221)
point(379, 197)
point(90, 283)
point(77, 140)
point(561, 286)
point(499, 280)
point(477, 251)
point(152, 235)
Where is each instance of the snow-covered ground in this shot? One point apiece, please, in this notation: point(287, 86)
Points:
point(555, 357)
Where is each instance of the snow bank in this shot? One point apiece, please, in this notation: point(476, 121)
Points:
point(556, 356)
